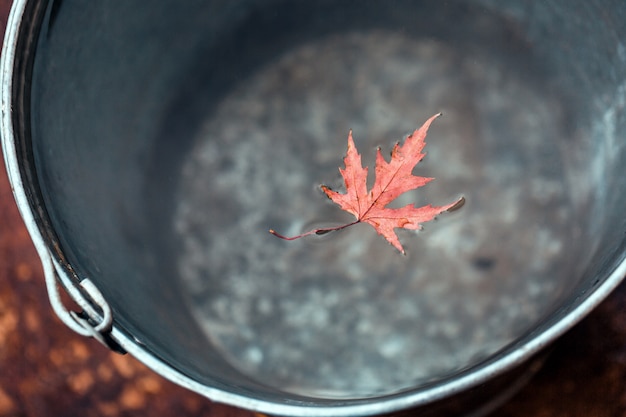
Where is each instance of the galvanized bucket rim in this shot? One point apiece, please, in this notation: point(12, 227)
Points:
point(54, 270)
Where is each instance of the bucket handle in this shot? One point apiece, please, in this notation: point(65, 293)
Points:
point(98, 327)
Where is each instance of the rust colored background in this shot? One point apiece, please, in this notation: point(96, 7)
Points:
point(47, 370)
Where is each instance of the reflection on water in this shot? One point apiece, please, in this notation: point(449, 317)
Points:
point(345, 314)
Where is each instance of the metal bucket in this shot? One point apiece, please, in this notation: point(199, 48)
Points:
point(151, 145)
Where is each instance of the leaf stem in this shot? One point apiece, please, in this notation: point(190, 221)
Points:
point(321, 231)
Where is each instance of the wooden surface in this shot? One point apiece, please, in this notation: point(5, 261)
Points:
point(47, 370)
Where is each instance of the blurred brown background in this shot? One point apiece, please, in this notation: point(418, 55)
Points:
point(47, 370)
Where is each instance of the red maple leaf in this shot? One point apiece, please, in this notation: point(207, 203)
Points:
point(393, 178)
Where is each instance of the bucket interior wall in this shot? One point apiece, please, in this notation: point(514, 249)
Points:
point(169, 136)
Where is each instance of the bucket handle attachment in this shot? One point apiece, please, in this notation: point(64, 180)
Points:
point(88, 325)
